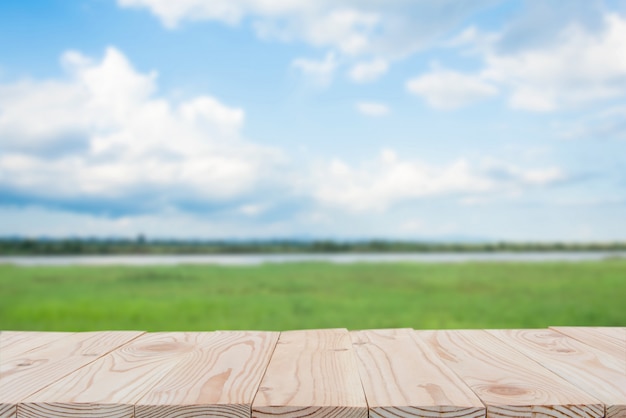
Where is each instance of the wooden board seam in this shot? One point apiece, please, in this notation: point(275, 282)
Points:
point(258, 389)
point(494, 405)
point(545, 368)
point(362, 387)
point(550, 370)
point(414, 338)
point(75, 370)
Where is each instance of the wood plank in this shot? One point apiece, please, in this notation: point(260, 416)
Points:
point(404, 378)
point(618, 333)
point(8, 411)
point(219, 379)
point(17, 343)
point(594, 371)
point(594, 338)
point(26, 374)
point(593, 333)
point(312, 373)
point(110, 386)
point(11, 337)
point(508, 382)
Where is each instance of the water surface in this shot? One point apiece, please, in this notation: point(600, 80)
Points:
point(257, 259)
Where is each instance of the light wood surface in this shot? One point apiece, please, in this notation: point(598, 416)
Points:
point(592, 370)
point(562, 372)
point(404, 378)
point(595, 338)
point(21, 376)
point(509, 383)
point(618, 333)
point(110, 386)
point(17, 343)
point(11, 337)
point(220, 378)
point(311, 374)
point(8, 411)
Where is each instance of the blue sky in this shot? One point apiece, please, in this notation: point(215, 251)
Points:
point(401, 119)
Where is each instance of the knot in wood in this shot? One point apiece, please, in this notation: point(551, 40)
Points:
point(507, 390)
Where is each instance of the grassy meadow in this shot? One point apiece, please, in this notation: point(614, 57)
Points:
point(313, 295)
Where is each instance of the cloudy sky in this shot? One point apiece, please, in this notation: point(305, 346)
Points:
point(314, 118)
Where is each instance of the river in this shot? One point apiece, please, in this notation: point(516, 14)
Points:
point(257, 259)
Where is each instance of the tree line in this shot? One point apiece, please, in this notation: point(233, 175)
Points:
point(141, 245)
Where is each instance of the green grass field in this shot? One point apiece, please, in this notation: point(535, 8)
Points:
point(313, 295)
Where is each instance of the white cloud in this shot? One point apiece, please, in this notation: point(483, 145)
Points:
point(345, 27)
point(380, 184)
point(468, 36)
point(252, 209)
point(607, 124)
point(507, 172)
point(374, 109)
point(534, 64)
point(51, 101)
point(412, 225)
point(320, 71)
point(103, 133)
point(367, 71)
point(383, 30)
point(172, 12)
point(580, 66)
point(446, 89)
point(51, 222)
point(541, 177)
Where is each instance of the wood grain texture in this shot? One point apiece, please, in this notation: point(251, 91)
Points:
point(110, 386)
point(311, 374)
point(10, 337)
point(17, 343)
point(595, 338)
point(219, 378)
point(404, 378)
point(618, 333)
point(566, 371)
point(594, 371)
point(8, 411)
point(21, 376)
point(508, 382)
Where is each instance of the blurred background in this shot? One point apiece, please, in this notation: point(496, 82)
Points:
point(232, 129)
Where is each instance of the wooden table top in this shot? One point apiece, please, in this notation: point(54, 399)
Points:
point(336, 373)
